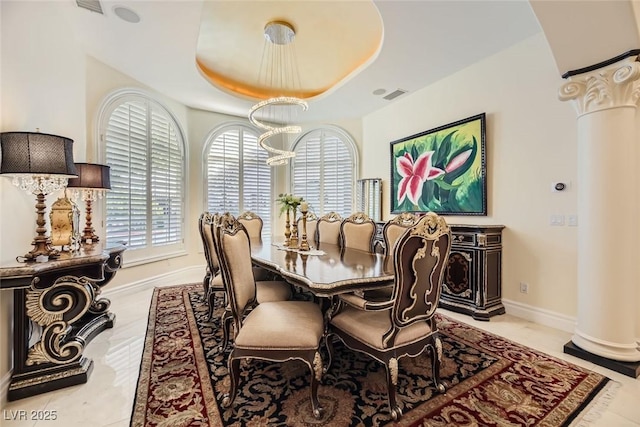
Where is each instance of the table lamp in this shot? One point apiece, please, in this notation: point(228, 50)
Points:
point(40, 164)
point(92, 182)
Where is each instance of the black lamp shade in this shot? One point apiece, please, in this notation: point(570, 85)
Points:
point(91, 175)
point(36, 154)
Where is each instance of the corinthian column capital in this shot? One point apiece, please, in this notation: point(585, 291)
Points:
point(612, 86)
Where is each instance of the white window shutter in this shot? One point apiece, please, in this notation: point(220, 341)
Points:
point(324, 173)
point(145, 204)
point(238, 177)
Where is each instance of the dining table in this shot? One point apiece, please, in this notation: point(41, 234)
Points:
point(325, 270)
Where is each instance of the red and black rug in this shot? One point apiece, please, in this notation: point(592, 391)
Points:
point(490, 381)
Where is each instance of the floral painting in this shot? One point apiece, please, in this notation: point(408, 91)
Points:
point(441, 170)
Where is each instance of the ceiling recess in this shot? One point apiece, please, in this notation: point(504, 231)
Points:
point(92, 5)
point(393, 95)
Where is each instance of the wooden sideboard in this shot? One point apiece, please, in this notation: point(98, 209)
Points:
point(473, 278)
point(56, 312)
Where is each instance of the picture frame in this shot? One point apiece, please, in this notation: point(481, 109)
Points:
point(441, 170)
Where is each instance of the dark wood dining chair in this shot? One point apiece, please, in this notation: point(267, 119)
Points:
point(404, 325)
point(267, 290)
point(328, 228)
point(358, 232)
point(391, 232)
point(276, 331)
point(212, 281)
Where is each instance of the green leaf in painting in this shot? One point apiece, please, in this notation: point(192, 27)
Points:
point(445, 185)
point(414, 152)
point(443, 150)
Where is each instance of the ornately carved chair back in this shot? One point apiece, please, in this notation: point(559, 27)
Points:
point(420, 255)
point(357, 232)
point(252, 223)
point(234, 253)
point(393, 229)
point(329, 228)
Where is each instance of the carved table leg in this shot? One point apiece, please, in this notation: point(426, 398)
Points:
point(70, 315)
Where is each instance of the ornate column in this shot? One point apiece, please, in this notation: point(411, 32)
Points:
point(606, 98)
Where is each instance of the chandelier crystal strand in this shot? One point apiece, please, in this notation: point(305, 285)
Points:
point(280, 74)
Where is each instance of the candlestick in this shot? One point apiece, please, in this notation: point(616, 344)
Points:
point(304, 245)
point(287, 231)
point(293, 242)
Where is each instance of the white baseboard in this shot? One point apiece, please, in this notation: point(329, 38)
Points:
point(193, 274)
point(540, 316)
point(4, 388)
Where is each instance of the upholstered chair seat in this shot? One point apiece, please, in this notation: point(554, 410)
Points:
point(370, 327)
point(262, 327)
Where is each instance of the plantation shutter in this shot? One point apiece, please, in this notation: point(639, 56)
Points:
point(166, 177)
point(307, 173)
point(223, 173)
point(238, 177)
point(126, 152)
point(144, 207)
point(324, 173)
point(256, 186)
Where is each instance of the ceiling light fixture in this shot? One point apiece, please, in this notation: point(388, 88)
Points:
point(279, 73)
point(126, 14)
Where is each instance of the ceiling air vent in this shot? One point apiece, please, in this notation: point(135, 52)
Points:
point(92, 5)
point(393, 95)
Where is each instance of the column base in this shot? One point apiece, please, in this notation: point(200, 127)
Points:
point(630, 369)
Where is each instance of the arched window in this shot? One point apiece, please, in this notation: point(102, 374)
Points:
point(238, 178)
point(324, 170)
point(144, 146)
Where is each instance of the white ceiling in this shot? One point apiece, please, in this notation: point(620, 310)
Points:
point(424, 41)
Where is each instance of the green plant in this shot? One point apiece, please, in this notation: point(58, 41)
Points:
point(288, 201)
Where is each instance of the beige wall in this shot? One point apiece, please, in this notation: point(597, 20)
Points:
point(531, 142)
point(42, 86)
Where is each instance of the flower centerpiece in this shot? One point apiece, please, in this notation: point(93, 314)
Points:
point(289, 202)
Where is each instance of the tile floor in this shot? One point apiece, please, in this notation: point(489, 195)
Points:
point(107, 398)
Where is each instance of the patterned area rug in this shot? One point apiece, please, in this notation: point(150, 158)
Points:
point(490, 381)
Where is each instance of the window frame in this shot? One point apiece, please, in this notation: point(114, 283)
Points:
point(208, 141)
point(148, 254)
point(352, 147)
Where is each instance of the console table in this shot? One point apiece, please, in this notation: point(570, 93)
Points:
point(56, 312)
point(473, 277)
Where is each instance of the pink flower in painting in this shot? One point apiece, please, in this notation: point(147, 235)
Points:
point(414, 175)
point(458, 161)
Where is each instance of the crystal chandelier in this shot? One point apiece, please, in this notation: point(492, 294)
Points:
point(278, 72)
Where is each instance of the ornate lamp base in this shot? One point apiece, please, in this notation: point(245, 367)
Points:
point(41, 248)
point(41, 243)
